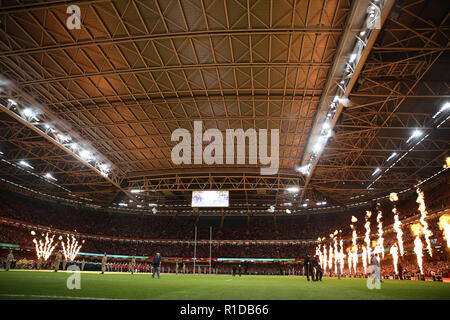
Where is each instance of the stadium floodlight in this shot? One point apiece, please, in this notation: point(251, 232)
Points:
point(104, 168)
point(394, 154)
point(376, 171)
point(304, 205)
point(152, 204)
point(445, 107)
point(63, 138)
point(288, 211)
point(86, 155)
point(29, 113)
point(74, 146)
point(326, 126)
point(352, 58)
point(304, 169)
point(25, 164)
point(123, 204)
point(12, 102)
point(271, 209)
point(154, 210)
point(317, 147)
point(136, 191)
point(49, 176)
point(416, 134)
point(293, 189)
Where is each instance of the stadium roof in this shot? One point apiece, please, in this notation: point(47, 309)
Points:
point(87, 114)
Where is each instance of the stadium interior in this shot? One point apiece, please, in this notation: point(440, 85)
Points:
point(354, 97)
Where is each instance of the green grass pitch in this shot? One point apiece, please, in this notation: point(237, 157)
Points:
point(49, 285)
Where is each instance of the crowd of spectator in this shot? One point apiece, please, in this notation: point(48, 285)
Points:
point(182, 228)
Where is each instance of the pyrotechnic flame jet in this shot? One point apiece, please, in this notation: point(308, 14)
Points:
point(447, 163)
point(364, 259)
point(44, 249)
point(355, 259)
point(380, 242)
point(336, 253)
point(349, 260)
point(423, 214)
point(318, 247)
point(394, 253)
point(71, 249)
point(397, 223)
point(444, 225)
point(341, 252)
point(367, 238)
point(355, 246)
point(330, 255)
point(418, 245)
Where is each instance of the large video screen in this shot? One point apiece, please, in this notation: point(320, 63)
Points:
point(210, 198)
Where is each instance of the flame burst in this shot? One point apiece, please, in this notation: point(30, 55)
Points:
point(447, 163)
point(397, 224)
point(355, 246)
point(44, 249)
point(394, 253)
point(423, 214)
point(319, 252)
point(330, 257)
point(335, 253)
point(380, 242)
point(324, 259)
point(341, 256)
point(418, 246)
point(71, 248)
point(367, 238)
point(393, 197)
point(355, 259)
point(444, 225)
point(364, 259)
point(349, 260)
point(318, 249)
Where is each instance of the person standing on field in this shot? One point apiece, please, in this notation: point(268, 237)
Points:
point(156, 265)
point(318, 268)
point(57, 261)
point(82, 264)
point(132, 264)
point(39, 263)
point(307, 264)
point(104, 260)
point(9, 260)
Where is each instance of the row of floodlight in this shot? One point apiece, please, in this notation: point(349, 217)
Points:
point(26, 166)
point(33, 116)
point(373, 13)
point(416, 134)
